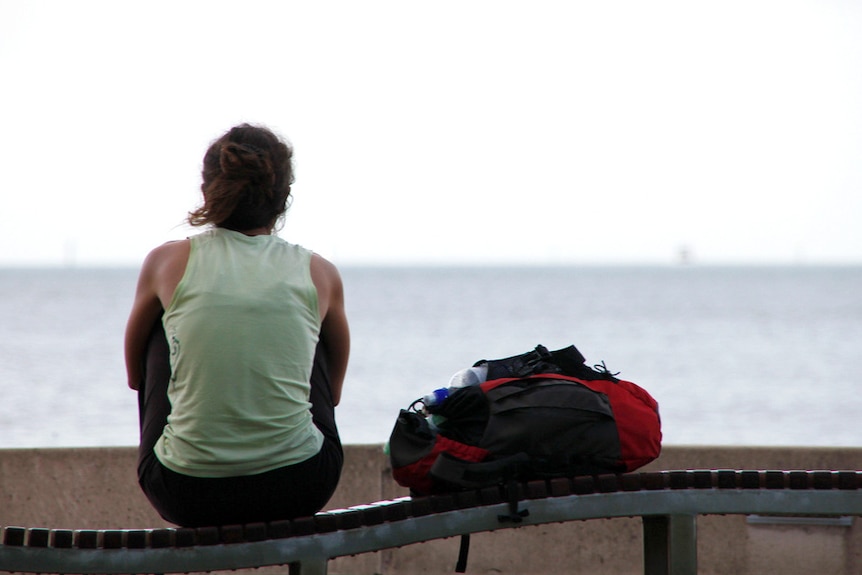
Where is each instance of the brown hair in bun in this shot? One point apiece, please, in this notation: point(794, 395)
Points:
point(247, 176)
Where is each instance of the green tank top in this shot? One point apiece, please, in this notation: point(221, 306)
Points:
point(242, 329)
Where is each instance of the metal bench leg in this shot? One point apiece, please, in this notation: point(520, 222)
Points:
point(308, 568)
point(670, 544)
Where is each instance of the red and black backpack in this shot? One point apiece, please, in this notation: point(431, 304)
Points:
point(538, 414)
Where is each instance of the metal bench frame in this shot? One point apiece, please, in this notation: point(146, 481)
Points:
point(668, 502)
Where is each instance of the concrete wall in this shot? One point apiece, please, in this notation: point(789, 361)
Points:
point(96, 489)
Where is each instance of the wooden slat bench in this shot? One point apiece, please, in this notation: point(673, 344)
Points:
point(668, 501)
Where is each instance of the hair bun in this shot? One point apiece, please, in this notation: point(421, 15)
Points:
point(246, 180)
point(246, 162)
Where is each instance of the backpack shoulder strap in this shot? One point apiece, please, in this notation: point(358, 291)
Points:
point(568, 360)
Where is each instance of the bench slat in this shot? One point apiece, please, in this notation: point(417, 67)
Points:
point(313, 540)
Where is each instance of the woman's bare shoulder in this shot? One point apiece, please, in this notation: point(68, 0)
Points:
point(166, 264)
point(324, 274)
point(168, 252)
point(164, 268)
point(327, 280)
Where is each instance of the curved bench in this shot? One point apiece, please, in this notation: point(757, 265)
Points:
point(668, 502)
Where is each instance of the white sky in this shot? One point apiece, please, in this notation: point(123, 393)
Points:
point(443, 131)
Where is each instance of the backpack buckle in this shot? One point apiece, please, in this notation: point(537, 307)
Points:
point(531, 361)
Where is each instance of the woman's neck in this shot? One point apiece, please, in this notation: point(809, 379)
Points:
point(261, 231)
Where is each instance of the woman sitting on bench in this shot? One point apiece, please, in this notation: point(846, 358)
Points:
point(237, 343)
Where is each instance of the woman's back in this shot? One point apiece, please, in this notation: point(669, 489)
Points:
point(242, 328)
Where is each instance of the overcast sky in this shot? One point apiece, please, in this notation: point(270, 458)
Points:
point(443, 131)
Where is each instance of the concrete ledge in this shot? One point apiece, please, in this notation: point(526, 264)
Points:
point(95, 488)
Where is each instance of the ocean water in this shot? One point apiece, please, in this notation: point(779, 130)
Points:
point(734, 355)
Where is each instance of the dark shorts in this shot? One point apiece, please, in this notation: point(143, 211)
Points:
point(293, 491)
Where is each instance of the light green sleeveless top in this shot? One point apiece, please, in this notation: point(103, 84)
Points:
point(242, 329)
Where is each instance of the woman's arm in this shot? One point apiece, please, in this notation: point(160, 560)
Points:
point(161, 272)
point(146, 309)
point(334, 329)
